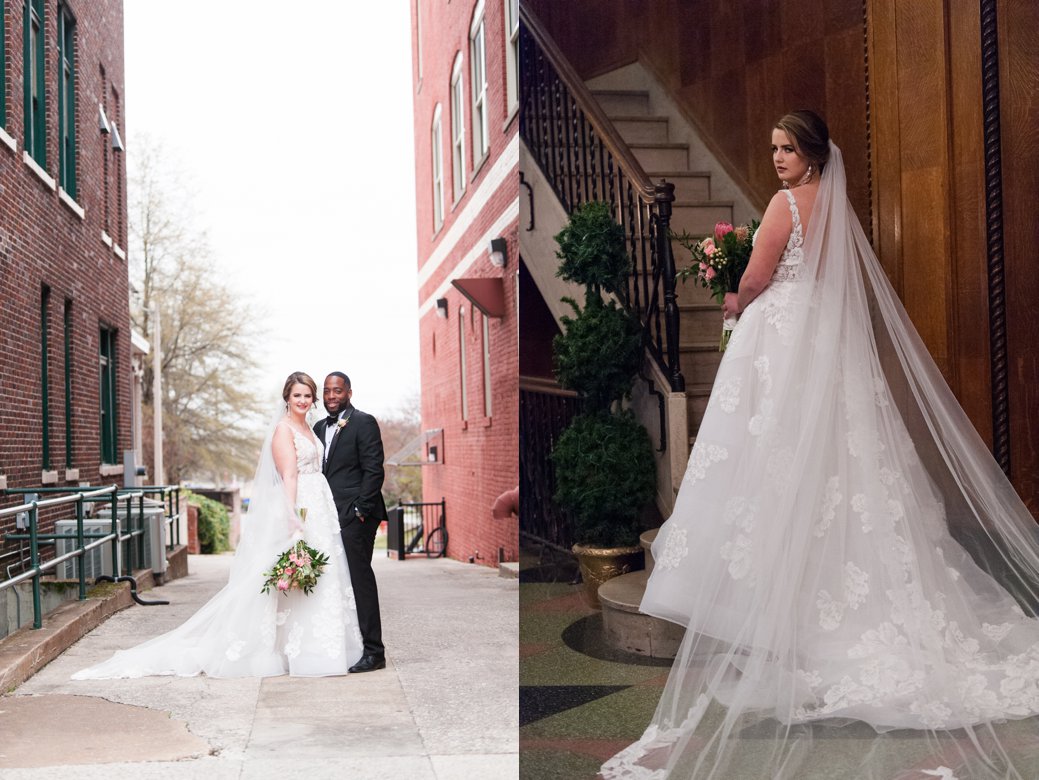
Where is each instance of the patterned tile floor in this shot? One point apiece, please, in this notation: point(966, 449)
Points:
point(580, 701)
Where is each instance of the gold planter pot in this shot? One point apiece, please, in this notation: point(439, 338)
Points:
point(599, 564)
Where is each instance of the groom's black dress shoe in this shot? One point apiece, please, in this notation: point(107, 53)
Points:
point(369, 663)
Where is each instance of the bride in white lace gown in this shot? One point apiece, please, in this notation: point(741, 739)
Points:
point(241, 631)
point(818, 549)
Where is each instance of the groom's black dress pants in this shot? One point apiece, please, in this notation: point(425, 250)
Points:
point(359, 542)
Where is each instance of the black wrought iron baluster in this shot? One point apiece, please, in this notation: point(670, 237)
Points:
point(664, 196)
point(631, 228)
point(572, 152)
point(584, 157)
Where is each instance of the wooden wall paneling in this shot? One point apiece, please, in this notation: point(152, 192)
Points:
point(926, 248)
point(1018, 23)
point(885, 152)
point(967, 201)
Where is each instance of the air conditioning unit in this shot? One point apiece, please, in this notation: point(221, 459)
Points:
point(154, 534)
point(95, 562)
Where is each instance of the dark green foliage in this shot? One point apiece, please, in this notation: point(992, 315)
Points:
point(605, 475)
point(591, 247)
point(214, 524)
point(599, 353)
point(605, 472)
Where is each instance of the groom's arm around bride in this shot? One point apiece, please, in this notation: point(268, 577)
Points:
point(353, 466)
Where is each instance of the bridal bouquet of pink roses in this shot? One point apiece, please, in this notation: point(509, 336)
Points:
point(719, 262)
point(298, 568)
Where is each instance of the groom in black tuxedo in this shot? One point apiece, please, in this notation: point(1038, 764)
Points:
point(353, 468)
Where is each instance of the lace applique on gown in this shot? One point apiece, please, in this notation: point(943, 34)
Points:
point(810, 557)
point(242, 632)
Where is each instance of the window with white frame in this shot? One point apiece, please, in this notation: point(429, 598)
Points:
point(462, 364)
point(486, 367)
point(458, 127)
point(478, 58)
point(512, 52)
point(438, 170)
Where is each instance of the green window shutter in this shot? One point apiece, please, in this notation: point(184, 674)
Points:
point(68, 384)
point(3, 64)
point(35, 88)
point(44, 385)
point(67, 101)
point(109, 443)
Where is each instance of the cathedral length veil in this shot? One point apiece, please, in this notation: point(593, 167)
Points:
point(234, 633)
point(884, 626)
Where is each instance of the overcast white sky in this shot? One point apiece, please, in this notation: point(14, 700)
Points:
point(294, 124)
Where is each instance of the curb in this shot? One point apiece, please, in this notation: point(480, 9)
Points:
point(28, 650)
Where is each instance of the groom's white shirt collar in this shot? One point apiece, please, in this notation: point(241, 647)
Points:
point(330, 431)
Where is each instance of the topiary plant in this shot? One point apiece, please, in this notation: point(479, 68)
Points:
point(605, 474)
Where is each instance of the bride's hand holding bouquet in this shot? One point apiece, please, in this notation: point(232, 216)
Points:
point(299, 567)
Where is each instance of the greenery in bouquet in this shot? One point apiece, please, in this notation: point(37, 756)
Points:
point(298, 568)
point(720, 259)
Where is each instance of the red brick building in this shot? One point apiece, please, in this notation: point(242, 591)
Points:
point(467, 154)
point(65, 359)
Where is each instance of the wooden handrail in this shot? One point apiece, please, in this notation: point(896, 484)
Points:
point(590, 106)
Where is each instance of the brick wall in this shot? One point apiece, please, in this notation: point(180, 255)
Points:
point(44, 242)
point(479, 454)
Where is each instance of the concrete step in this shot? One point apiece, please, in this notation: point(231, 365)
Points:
point(509, 570)
point(700, 361)
point(699, 218)
point(622, 102)
point(696, 398)
point(655, 156)
point(692, 186)
point(646, 541)
point(642, 129)
point(628, 629)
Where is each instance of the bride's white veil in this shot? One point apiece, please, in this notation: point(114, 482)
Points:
point(234, 634)
point(935, 669)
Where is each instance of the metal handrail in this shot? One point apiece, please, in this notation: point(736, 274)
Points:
point(79, 497)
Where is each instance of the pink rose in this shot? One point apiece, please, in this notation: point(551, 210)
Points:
point(708, 247)
point(283, 585)
point(721, 230)
point(710, 274)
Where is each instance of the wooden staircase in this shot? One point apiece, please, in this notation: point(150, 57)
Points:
point(695, 212)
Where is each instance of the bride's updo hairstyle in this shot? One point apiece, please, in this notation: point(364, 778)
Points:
point(810, 135)
point(298, 378)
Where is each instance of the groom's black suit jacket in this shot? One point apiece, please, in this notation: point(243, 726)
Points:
point(354, 466)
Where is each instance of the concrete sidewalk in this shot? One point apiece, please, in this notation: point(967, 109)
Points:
point(445, 708)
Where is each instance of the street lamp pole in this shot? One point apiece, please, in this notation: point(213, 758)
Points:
point(160, 471)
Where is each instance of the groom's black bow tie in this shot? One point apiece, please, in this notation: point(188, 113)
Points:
point(332, 419)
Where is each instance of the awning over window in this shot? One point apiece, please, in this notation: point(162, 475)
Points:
point(417, 453)
point(487, 295)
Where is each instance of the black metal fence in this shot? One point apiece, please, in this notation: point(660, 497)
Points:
point(417, 528)
point(544, 415)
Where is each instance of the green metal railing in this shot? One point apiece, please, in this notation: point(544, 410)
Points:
point(133, 539)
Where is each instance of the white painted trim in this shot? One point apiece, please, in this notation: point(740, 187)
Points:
point(107, 239)
point(479, 250)
point(69, 201)
point(35, 168)
point(119, 251)
point(502, 168)
point(8, 140)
